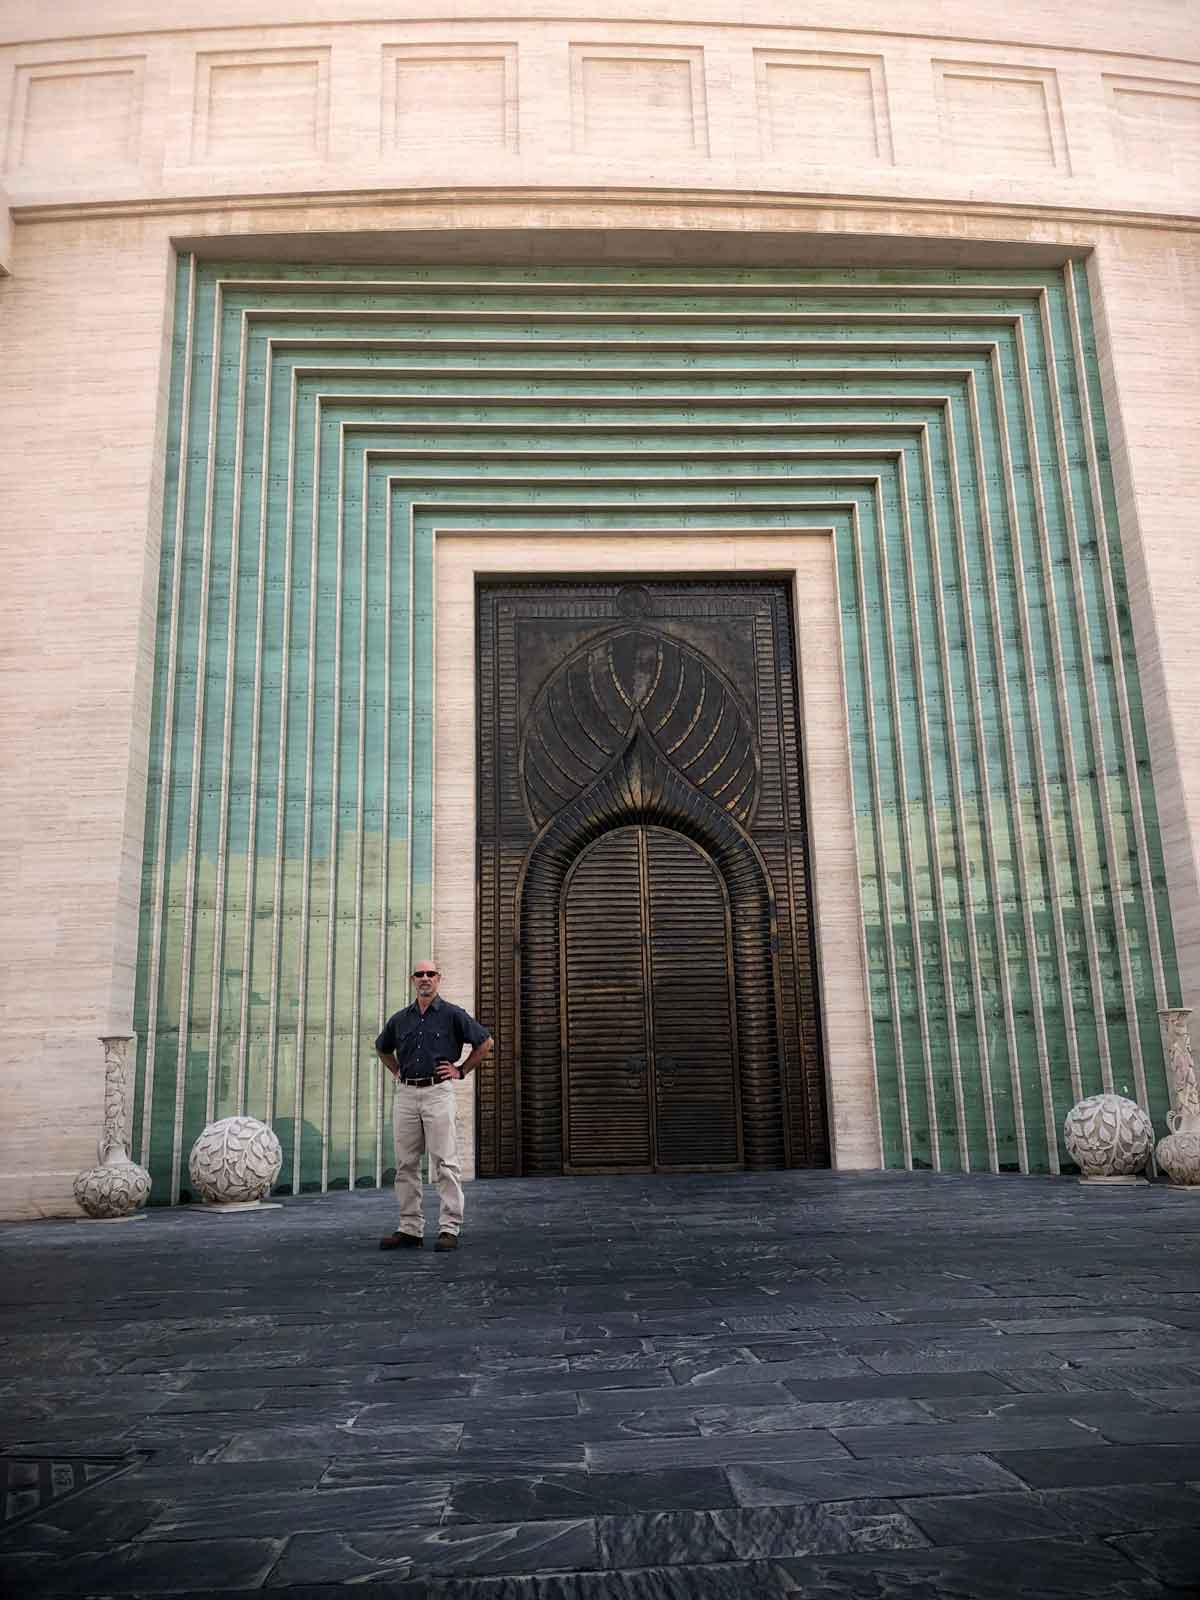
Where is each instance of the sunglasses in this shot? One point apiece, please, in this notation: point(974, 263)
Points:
point(426, 974)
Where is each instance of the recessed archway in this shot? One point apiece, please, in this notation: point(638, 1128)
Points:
point(639, 789)
point(804, 555)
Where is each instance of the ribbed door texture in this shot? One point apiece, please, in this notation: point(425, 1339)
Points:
point(648, 1037)
point(606, 1043)
point(690, 966)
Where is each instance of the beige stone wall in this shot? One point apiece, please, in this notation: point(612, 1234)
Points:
point(1095, 107)
point(6, 238)
point(1149, 302)
point(80, 487)
point(1027, 132)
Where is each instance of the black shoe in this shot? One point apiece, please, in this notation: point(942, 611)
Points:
point(446, 1241)
point(401, 1241)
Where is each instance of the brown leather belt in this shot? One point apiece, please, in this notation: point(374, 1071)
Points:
point(418, 1083)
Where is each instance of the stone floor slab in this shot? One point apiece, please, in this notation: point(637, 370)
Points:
point(469, 1548)
point(233, 1565)
point(1168, 1554)
point(780, 1483)
point(754, 1533)
point(585, 1494)
point(672, 1388)
point(1041, 1569)
point(1101, 1464)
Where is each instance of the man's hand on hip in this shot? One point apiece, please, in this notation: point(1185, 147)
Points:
point(444, 1071)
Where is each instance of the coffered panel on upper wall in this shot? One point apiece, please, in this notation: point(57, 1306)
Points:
point(812, 102)
point(1000, 118)
point(639, 101)
point(78, 116)
point(1155, 125)
point(84, 121)
point(458, 95)
point(255, 107)
point(366, 106)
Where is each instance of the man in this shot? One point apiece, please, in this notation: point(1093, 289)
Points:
point(420, 1047)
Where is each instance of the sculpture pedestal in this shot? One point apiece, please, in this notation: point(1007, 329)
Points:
point(1131, 1177)
point(1179, 1153)
point(224, 1207)
point(116, 1188)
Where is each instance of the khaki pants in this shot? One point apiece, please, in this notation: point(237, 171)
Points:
point(424, 1121)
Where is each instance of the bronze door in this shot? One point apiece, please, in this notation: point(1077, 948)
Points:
point(648, 1018)
point(645, 960)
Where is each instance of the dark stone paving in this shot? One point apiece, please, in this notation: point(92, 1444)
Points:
point(844, 1387)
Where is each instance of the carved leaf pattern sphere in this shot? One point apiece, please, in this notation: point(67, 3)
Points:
point(116, 1190)
point(236, 1159)
point(638, 679)
point(1108, 1136)
point(1179, 1157)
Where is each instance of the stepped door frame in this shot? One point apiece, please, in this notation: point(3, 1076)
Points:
point(806, 557)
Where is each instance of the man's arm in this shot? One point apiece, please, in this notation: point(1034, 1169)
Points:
point(385, 1047)
point(447, 1069)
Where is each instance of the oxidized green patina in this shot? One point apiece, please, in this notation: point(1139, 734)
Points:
point(324, 421)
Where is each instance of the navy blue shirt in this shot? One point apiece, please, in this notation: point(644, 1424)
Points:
point(420, 1042)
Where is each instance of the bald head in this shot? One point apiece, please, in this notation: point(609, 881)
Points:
point(426, 978)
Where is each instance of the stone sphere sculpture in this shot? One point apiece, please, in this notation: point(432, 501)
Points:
point(1179, 1157)
point(1109, 1137)
point(235, 1161)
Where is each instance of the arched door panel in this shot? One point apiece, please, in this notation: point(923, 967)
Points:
point(606, 1101)
point(697, 1121)
point(648, 1037)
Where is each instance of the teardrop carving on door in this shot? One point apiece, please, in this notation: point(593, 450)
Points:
point(630, 681)
point(643, 932)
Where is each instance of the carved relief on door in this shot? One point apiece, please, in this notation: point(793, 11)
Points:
point(650, 988)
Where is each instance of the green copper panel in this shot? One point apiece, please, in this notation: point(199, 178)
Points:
point(325, 422)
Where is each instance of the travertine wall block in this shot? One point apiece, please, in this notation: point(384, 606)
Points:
point(1001, 118)
point(261, 106)
point(1156, 125)
point(810, 103)
point(638, 100)
point(84, 117)
point(449, 96)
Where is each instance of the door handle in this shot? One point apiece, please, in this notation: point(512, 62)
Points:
point(635, 1065)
